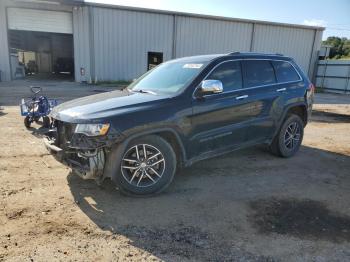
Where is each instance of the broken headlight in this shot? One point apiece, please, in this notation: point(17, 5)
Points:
point(92, 129)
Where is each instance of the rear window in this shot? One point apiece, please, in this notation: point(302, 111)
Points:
point(285, 72)
point(258, 73)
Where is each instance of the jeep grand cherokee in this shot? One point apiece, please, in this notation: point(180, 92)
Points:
point(180, 112)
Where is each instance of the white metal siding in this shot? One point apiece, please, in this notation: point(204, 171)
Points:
point(314, 54)
point(112, 43)
point(293, 42)
point(196, 36)
point(123, 38)
point(4, 50)
point(81, 36)
point(40, 20)
point(334, 75)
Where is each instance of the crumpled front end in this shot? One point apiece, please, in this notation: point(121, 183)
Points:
point(85, 155)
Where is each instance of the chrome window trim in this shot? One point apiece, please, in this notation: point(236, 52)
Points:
point(253, 87)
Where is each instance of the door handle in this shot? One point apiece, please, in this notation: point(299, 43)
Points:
point(241, 97)
point(281, 89)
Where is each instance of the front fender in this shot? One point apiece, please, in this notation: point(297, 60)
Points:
point(114, 157)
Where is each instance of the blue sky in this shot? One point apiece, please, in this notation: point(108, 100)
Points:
point(332, 14)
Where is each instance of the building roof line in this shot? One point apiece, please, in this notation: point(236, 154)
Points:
point(213, 17)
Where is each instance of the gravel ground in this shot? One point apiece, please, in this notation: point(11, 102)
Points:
point(244, 206)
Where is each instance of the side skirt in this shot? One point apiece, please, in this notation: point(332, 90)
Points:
point(211, 154)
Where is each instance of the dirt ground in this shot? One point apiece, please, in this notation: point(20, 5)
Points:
point(244, 206)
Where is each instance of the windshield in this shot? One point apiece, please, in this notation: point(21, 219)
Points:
point(169, 77)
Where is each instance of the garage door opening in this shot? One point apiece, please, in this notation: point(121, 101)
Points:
point(40, 48)
point(41, 55)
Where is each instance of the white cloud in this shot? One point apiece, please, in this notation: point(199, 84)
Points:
point(314, 22)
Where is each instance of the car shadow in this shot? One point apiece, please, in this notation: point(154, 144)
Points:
point(329, 117)
point(38, 132)
point(206, 207)
point(2, 113)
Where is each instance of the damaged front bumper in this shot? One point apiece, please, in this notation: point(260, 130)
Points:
point(82, 154)
point(53, 150)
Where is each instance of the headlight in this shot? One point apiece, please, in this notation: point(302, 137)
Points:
point(92, 129)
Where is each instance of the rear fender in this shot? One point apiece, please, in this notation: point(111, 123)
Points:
point(284, 114)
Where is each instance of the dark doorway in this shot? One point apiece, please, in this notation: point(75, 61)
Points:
point(154, 59)
point(41, 55)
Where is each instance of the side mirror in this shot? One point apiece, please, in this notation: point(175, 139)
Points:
point(209, 87)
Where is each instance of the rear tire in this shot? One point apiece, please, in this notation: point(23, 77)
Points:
point(289, 138)
point(143, 174)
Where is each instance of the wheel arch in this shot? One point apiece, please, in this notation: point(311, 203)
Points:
point(296, 108)
point(115, 155)
point(299, 110)
point(174, 140)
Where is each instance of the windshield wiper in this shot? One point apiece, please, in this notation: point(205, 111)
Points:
point(144, 91)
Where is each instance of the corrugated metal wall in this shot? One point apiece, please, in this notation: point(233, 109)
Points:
point(122, 39)
point(314, 56)
point(334, 76)
point(294, 42)
point(4, 49)
point(196, 36)
point(81, 36)
point(112, 43)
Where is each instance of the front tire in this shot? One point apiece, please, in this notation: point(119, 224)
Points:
point(147, 167)
point(288, 140)
point(27, 122)
point(46, 121)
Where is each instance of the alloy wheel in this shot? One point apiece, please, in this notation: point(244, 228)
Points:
point(292, 136)
point(143, 165)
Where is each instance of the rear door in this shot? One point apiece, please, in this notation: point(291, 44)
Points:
point(260, 83)
point(289, 81)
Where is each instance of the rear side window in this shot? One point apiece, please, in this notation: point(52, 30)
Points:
point(258, 73)
point(285, 72)
point(229, 74)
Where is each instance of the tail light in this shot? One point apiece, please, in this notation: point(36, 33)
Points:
point(311, 88)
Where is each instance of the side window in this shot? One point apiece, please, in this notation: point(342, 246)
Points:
point(285, 72)
point(229, 73)
point(258, 73)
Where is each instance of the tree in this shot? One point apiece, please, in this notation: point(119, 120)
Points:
point(340, 47)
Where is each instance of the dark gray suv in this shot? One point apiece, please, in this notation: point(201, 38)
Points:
point(180, 112)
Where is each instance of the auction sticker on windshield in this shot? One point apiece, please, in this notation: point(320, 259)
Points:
point(195, 66)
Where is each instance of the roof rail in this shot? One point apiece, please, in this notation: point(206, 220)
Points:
point(253, 53)
point(234, 53)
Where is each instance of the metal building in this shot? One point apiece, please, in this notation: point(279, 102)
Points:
point(120, 43)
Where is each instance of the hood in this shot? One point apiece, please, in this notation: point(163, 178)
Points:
point(95, 108)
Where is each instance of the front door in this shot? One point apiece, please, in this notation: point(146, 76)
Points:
point(219, 121)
